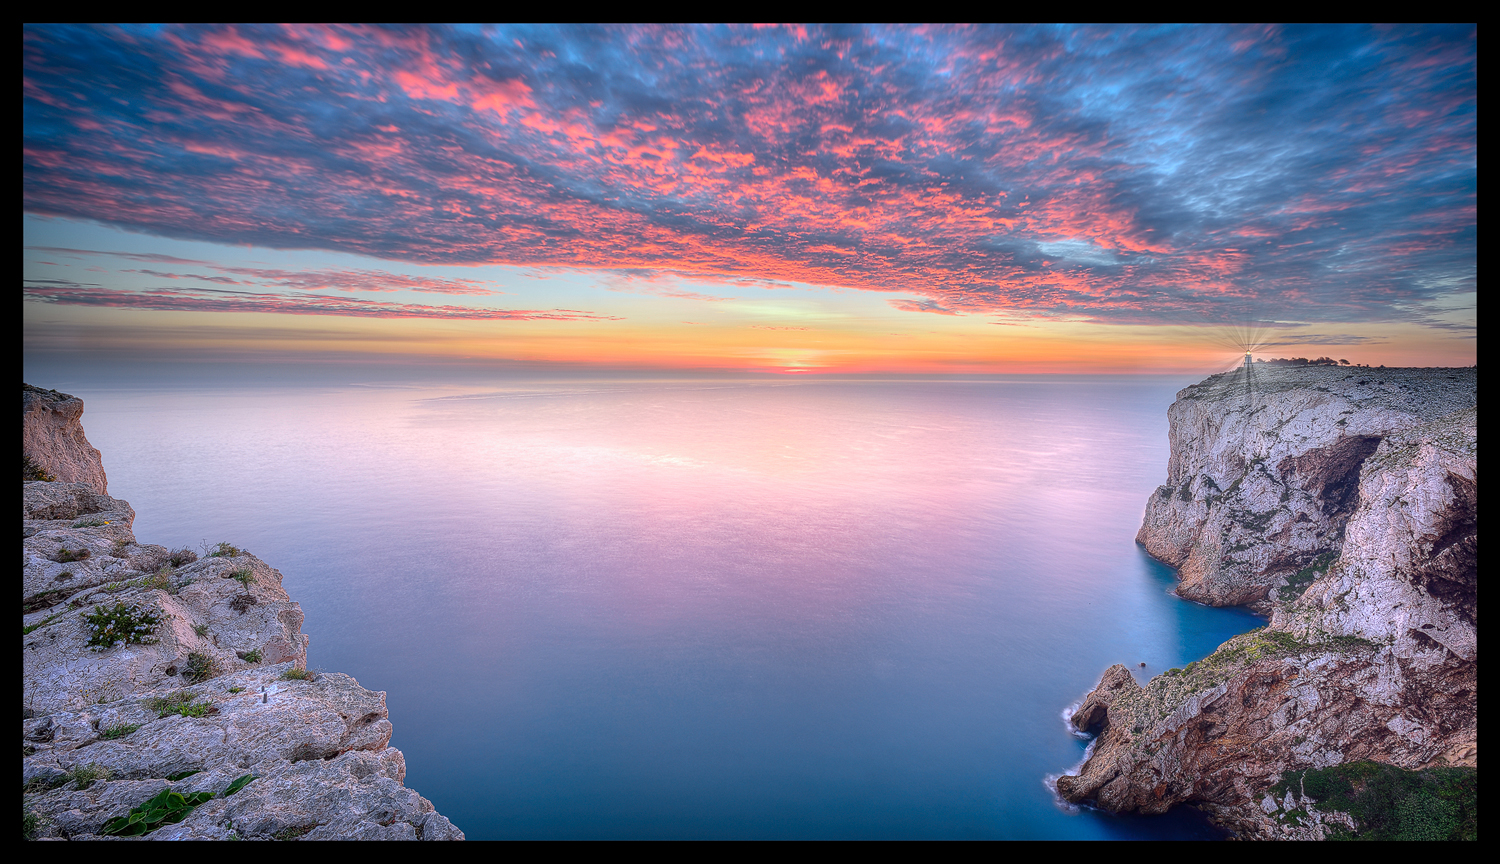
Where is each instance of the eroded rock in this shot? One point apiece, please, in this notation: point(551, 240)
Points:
point(204, 699)
point(1375, 660)
point(52, 437)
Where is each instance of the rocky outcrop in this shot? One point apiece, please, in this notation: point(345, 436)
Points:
point(53, 442)
point(204, 683)
point(1372, 657)
point(317, 751)
point(1264, 471)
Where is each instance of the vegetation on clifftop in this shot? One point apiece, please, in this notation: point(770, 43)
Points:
point(1390, 803)
point(1167, 692)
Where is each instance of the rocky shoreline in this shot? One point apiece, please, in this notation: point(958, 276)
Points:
point(149, 670)
point(1342, 502)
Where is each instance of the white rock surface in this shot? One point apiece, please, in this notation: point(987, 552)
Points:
point(318, 748)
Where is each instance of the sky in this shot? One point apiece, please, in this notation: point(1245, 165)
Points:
point(789, 199)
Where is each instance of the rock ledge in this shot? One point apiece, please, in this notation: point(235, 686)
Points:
point(218, 692)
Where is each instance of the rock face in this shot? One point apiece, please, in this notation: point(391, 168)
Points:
point(52, 438)
point(1264, 475)
point(215, 687)
point(1371, 651)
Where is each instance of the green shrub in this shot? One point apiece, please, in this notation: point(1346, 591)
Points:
point(181, 557)
point(1390, 803)
point(200, 629)
point(121, 625)
point(201, 667)
point(243, 576)
point(252, 656)
point(166, 808)
point(295, 674)
point(120, 731)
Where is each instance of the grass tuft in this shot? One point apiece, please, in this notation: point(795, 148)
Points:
point(222, 550)
point(120, 731)
point(180, 703)
point(201, 667)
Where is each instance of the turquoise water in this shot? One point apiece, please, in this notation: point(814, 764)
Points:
point(699, 608)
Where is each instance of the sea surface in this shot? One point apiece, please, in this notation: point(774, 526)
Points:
point(699, 608)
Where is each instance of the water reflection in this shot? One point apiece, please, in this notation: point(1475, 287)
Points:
point(691, 609)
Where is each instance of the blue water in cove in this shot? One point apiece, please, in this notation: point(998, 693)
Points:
point(699, 608)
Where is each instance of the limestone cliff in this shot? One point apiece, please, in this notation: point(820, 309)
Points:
point(147, 669)
point(52, 439)
point(1342, 501)
point(1264, 471)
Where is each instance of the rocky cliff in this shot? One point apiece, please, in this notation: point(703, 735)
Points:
point(52, 440)
point(1343, 503)
point(146, 669)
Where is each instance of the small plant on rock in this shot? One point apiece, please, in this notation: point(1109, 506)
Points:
point(200, 629)
point(28, 628)
point(251, 656)
point(151, 560)
point(166, 808)
point(295, 674)
point(296, 832)
point(31, 823)
point(239, 783)
point(181, 703)
point(161, 580)
point(119, 731)
point(90, 523)
point(223, 550)
point(243, 576)
point(201, 667)
point(85, 776)
point(66, 555)
point(181, 557)
point(121, 625)
point(32, 470)
point(119, 548)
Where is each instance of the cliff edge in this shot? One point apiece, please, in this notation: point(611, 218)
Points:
point(166, 693)
point(1343, 502)
point(52, 440)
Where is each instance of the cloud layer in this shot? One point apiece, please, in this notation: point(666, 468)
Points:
point(1123, 174)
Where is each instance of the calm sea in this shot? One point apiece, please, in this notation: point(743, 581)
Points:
point(700, 608)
